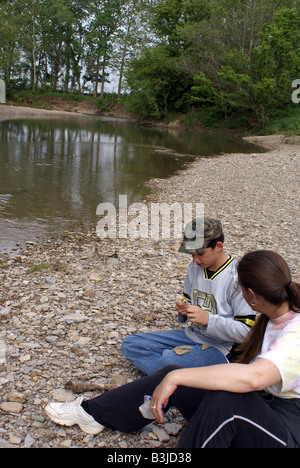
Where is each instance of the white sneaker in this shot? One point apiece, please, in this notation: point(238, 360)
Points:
point(70, 413)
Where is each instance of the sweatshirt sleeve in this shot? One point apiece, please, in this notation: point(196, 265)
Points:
point(187, 294)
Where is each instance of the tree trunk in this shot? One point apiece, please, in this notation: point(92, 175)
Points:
point(103, 72)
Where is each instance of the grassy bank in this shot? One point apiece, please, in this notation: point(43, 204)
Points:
point(43, 99)
point(286, 121)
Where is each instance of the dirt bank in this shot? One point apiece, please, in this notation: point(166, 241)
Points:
point(18, 112)
point(61, 109)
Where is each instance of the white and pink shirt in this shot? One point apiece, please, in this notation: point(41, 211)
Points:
point(281, 346)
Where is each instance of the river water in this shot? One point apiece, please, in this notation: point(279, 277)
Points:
point(54, 173)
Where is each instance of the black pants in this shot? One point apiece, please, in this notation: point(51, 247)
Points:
point(216, 419)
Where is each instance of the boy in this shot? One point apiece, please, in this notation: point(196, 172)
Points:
point(213, 308)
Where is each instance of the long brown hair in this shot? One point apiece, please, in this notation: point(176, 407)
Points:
point(268, 275)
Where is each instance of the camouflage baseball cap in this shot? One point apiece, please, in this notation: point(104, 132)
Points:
point(198, 234)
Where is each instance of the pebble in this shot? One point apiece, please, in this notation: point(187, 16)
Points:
point(17, 397)
point(69, 323)
point(66, 443)
point(78, 318)
point(15, 440)
point(172, 428)
point(29, 441)
point(161, 434)
point(62, 395)
point(11, 407)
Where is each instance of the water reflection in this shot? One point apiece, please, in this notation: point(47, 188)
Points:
point(53, 174)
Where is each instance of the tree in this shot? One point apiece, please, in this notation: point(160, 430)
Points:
point(105, 16)
point(56, 19)
point(131, 36)
point(238, 57)
point(203, 91)
point(10, 50)
point(74, 44)
point(259, 84)
point(167, 15)
point(157, 85)
point(277, 63)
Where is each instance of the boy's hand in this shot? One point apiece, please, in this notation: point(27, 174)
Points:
point(181, 307)
point(197, 315)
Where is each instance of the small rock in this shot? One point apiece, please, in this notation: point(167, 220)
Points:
point(38, 417)
point(17, 397)
point(11, 407)
point(161, 434)
point(51, 338)
point(119, 380)
point(62, 395)
point(13, 439)
point(29, 441)
point(95, 277)
point(50, 280)
point(5, 444)
point(25, 358)
point(4, 312)
point(61, 295)
point(66, 443)
point(44, 299)
point(154, 443)
point(38, 425)
point(75, 318)
point(3, 380)
point(113, 334)
point(172, 428)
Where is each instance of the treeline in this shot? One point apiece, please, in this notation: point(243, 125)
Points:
point(233, 60)
point(69, 45)
point(230, 60)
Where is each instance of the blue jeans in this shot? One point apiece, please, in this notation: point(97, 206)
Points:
point(152, 351)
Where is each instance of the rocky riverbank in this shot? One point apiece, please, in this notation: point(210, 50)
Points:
point(66, 305)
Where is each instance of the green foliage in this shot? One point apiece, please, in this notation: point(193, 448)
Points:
point(68, 45)
point(37, 268)
point(232, 61)
point(157, 85)
point(106, 102)
point(285, 121)
point(261, 86)
point(167, 17)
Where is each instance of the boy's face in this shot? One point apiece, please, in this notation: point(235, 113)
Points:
point(209, 257)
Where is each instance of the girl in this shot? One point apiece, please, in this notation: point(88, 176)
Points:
point(251, 403)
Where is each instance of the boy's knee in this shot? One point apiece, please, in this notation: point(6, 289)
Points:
point(128, 343)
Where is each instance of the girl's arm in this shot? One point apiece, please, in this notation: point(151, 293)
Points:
point(237, 378)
